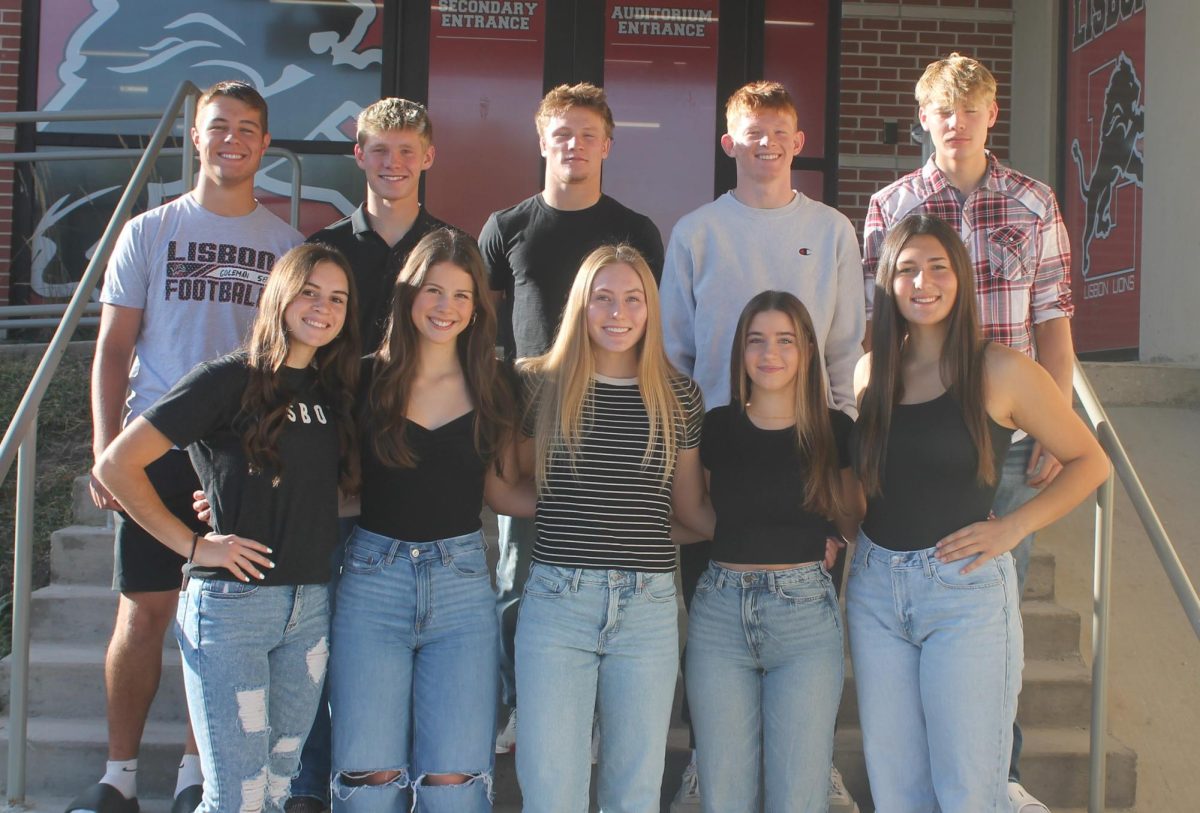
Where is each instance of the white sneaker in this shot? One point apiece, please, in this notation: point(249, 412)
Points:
point(840, 800)
point(687, 798)
point(1023, 801)
point(506, 740)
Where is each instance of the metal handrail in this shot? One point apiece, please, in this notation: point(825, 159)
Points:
point(22, 431)
point(1122, 468)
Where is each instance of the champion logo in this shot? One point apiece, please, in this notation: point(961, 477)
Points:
point(805, 252)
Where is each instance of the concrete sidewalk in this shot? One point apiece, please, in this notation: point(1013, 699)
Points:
point(1154, 701)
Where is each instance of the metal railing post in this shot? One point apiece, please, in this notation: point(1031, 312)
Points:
point(1101, 593)
point(18, 697)
point(189, 120)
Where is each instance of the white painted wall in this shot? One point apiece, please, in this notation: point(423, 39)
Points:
point(1033, 145)
point(1170, 296)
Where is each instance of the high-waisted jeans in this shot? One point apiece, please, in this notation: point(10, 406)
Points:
point(413, 674)
point(937, 664)
point(604, 641)
point(764, 680)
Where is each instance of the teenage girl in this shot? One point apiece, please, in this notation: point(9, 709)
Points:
point(415, 656)
point(615, 444)
point(270, 433)
point(935, 626)
point(765, 646)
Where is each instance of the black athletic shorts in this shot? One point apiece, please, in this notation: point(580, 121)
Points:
point(141, 563)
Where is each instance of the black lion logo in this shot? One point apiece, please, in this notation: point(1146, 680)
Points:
point(1117, 158)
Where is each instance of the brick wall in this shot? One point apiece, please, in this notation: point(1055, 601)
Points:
point(10, 50)
point(886, 45)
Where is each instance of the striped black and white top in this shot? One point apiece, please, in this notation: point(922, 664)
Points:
point(610, 511)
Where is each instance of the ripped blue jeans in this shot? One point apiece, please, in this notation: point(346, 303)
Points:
point(254, 661)
point(413, 675)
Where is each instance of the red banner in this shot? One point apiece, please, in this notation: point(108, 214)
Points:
point(1102, 198)
point(485, 81)
point(660, 72)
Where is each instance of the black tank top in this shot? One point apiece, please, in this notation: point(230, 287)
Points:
point(929, 483)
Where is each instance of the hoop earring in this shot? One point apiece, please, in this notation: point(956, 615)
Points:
point(474, 316)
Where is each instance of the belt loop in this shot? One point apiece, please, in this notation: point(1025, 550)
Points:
point(445, 554)
point(575, 577)
point(393, 551)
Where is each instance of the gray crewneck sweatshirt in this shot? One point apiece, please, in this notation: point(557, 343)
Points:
point(725, 252)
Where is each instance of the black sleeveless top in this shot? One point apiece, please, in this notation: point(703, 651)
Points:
point(929, 484)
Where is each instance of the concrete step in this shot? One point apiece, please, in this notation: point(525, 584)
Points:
point(67, 680)
point(65, 755)
point(1054, 693)
point(83, 510)
point(1039, 580)
point(73, 613)
point(82, 554)
point(1051, 631)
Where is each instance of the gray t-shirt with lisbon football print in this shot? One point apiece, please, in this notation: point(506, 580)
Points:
point(197, 277)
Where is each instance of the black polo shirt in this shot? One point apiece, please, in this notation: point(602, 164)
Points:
point(375, 265)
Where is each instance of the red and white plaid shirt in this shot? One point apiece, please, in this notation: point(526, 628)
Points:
point(1014, 233)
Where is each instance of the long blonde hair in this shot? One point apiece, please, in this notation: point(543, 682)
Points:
point(562, 378)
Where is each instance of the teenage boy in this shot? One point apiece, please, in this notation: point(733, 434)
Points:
point(532, 252)
point(1015, 235)
point(394, 146)
point(761, 235)
point(182, 287)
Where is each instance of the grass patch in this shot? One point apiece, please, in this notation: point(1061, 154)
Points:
point(64, 451)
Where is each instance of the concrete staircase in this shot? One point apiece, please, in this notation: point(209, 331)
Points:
point(72, 621)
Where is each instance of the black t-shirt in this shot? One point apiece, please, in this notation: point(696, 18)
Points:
point(439, 498)
point(375, 265)
point(929, 483)
point(756, 480)
point(292, 510)
point(533, 252)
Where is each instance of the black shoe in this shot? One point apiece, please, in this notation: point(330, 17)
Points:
point(188, 799)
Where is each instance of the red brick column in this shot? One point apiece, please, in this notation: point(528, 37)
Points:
point(886, 45)
point(10, 51)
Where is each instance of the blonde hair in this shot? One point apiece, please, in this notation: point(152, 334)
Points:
point(955, 79)
point(565, 97)
point(394, 113)
point(562, 377)
point(755, 96)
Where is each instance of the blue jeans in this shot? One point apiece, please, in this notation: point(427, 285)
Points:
point(313, 779)
point(1013, 492)
point(514, 543)
point(937, 663)
point(604, 641)
point(254, 661)
point(413, 675)
point(764, 680)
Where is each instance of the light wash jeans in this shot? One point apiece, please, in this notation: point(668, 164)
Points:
point(604, 641)
point(254, 661)
point(413, 675)
point(514, 543)
point(764, 680)
point(937, 664)
point(1012, 492)
point(314, 776)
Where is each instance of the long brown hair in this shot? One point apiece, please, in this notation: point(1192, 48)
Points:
point(563, 376)
point(814, 430)
point(265, 402)
point(396, 360)
point(961, 362)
